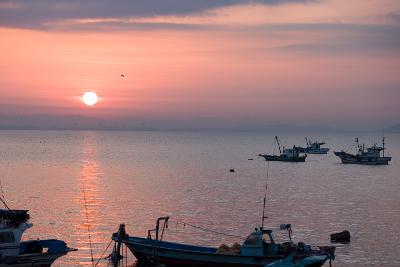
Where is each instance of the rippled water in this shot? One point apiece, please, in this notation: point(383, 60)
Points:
point(135, 177)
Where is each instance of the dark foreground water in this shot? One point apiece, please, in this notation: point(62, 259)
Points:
point(135, 177)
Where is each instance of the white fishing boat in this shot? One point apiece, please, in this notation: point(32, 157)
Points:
point(315, 147)
point(14, 252)
point(365, 156)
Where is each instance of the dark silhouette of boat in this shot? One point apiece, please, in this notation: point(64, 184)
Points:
point(14, 252)
point(369, 156)
point(286, 154)
point(258, 250)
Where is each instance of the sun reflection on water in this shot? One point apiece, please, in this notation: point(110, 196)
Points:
point(89, 200)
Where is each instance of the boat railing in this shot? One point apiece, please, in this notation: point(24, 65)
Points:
point(157, 229)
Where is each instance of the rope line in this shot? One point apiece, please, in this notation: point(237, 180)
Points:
point(101, 257)
point(3, 199)
point(2, 192)
point(265, 195)
point(88, 226)
point(126, 255)
point(207, 230)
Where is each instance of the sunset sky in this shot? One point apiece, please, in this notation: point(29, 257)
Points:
point(208, 62)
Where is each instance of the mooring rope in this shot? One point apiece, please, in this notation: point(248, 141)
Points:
point(88, 225)
point(206, 229)
point(101, 257)
point(265, 197)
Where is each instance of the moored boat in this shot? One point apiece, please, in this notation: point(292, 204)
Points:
point(286, 154)
point(369, 156)
point(14, 252)
point(315, 147)
point(259, 249)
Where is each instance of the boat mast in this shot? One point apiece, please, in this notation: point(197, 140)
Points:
point(307, 143)
point(383, 146)
point(357, 145)
point(279, 146)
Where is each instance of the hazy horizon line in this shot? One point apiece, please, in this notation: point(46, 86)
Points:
point(282, 128)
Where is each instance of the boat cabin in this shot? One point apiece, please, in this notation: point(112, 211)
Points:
point(291, 152)
point(255, 244)
point(13, 223)
point(316, 145)
point(371, 152)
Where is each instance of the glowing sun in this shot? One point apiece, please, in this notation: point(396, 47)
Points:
point(89, 98)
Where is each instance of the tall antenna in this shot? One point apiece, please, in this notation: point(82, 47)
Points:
point(88, 226)
point(279, 146)
point(357, 145)
point(265, 197)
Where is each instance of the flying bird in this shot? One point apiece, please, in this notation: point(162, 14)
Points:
point(123, 75)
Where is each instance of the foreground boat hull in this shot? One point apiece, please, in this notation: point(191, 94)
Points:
point(312, 261)
point(31, 260)
point(148, 252)
point(169, 257)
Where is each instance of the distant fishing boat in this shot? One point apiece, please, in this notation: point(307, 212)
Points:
point(259, 249)
point(369, 156)
point(14, 252)
point(286, 154)
point(315, 148)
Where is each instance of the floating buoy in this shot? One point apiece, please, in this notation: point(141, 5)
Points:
point(342, 237)
point(231, 170)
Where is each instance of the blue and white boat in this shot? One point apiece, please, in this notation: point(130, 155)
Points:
point(315, 147)
point(14, 252)
point(259, 249)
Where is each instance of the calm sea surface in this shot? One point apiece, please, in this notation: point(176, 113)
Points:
point(135, 177)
